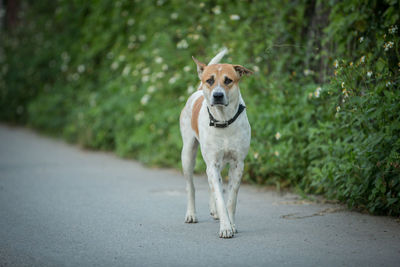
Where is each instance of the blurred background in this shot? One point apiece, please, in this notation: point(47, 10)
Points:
point(324, 102)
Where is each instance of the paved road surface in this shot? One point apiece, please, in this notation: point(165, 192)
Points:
point(63, 206)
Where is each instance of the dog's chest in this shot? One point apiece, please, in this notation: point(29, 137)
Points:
point(228, 144)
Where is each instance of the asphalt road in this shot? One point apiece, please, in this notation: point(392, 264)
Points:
point(63, 206)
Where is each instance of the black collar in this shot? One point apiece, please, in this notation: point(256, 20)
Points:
point(224, 124)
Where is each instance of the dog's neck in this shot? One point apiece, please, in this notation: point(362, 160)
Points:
point(225, 113)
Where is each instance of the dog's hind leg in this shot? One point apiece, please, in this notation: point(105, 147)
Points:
point(189, 152)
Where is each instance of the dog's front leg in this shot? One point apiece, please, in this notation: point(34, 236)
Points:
point(214, 180)
point(211, 203)
point(235, 176)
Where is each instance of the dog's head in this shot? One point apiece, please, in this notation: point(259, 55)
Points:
point(220, 82)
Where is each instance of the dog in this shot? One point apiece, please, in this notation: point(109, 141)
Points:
point(215, 117)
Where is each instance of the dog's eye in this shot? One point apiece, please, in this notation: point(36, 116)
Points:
point(210, 81)
point(227, 81)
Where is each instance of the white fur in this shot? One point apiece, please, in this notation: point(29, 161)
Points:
point(218, 57)
point(219, 146)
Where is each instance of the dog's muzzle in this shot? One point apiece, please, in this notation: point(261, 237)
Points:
point(218, 98)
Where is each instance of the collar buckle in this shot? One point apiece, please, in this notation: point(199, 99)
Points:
point(219, 124)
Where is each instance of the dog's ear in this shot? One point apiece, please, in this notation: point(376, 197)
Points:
point(200, 66)
point(240, 70)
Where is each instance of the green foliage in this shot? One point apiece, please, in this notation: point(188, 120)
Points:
point(114, 75)
point(357, 147)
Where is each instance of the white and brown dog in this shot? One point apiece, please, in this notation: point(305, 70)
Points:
point(215, 117)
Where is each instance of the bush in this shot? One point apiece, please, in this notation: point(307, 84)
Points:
point(114, 75)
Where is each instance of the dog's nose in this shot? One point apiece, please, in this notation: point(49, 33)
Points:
point(218, 95)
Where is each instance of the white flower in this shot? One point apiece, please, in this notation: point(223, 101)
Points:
point(126, 70)
point(190, 89)
point(277, 136)
point(151, 89)
point(393, 29)
point(201, 4)
point(361, 39)
point(81, 68)
point(187, 68)
point(369, 74)
point(337, 108)
point(158, 60)
point(131, 45)
point(121, 58)
point(75, 76)
point(362, 59)
point(256, 68)
point(182, 44)
point(164, 67)
point(308, 72)
point(181, 98)
point(216, 10)
point(345, 93)
point(317, 92)
point(114, 65)
point(145, 79)
point(194, 36)
point(160, 2)
point(145, 99)
point(139, 116)
point(256, 155)
point(145, 71)
point(131, 22)
point(336, 63)
point(276, 153)
point(388, 45)
point(174, 16)
point(388, 83)
point(159, 75)
point(142, 37)
point(342, 84)
point(258, 59)
point(172, 80)
point(234, 17)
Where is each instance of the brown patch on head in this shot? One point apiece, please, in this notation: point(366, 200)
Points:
point(195, 114)
point(223, 74)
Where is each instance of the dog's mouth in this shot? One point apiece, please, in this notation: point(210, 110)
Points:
point(219, 104)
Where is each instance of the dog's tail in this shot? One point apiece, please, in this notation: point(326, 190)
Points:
point(218, 57)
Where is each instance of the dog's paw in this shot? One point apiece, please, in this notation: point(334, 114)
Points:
point(234, 229)
point(214, 214)
point(190, 218)
point(226, 233)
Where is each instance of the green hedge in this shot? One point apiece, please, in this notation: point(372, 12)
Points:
point(324, 102)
